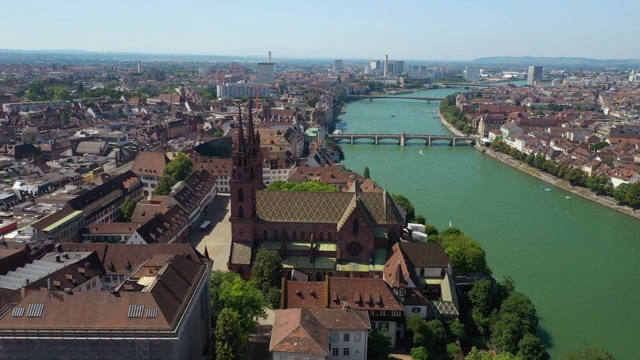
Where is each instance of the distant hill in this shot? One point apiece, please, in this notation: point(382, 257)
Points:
point(555, 61)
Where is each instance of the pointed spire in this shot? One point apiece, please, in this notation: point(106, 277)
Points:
point(250, 129)
point(240, 132)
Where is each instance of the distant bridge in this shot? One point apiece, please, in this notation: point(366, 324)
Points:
point(371, 97)
point(404, 138)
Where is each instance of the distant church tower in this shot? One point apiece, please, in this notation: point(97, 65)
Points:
point(246, 179)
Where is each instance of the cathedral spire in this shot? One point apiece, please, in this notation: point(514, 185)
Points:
point(240, 131)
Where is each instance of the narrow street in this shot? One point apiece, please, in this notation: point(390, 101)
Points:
point(218, 239)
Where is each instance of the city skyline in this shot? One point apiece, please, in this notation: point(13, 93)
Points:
point(356, 30)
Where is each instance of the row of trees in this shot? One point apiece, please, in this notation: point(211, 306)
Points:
point(434, 338)
point(596, 183)
point(453, 115)
point(177, 170)
point(280, 185)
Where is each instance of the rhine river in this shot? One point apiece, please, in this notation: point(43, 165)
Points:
point(578, 261)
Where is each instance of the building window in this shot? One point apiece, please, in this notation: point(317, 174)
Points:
point(335, 337)
point(356, 337)
point(384, 325)
point(329, 237)
point(336, 351)
point(264, 235)
point(346, 337)
point(301, 235)
point(345, 351)
point(293, 236)
point(241, 212)
point(240, 195)
point(356, 227)
point(415, 309)
point(321, 236)
point(275, 235)
point(282, 357)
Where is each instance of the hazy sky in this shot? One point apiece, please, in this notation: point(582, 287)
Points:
point(405, 30)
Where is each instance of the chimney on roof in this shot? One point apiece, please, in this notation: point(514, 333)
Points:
point(283, 292)
point(327, 288)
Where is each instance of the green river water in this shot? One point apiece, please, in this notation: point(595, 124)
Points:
point(577, 260)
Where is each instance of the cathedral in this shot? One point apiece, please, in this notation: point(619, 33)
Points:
point(316, 233)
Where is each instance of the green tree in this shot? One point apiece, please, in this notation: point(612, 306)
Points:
point(530, 348)
point(476, 354)
point(420, 353)
point(420, 219)
point(229, 290)
point(588, 352)
point(506, 333)
point(466, 255)
point(519, 304)
point(366, 174)
point(430, 230)
point(60, 93)
point(180, 167)
point(406, 205)
point(454, 352)
point(457, 329)
point(379, 346)
point(266, 272)
point(230, 338)
point(164, 186)
point(128, 208)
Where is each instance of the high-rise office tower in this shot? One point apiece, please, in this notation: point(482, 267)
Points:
point(534, 73)
point(338, 65)
point(472, 74)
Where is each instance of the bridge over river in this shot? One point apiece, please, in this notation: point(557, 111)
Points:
point(404, 138)
point(371, 97)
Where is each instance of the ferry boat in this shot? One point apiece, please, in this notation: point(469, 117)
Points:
point(393, 115)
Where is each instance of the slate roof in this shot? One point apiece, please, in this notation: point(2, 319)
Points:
point(323, 207)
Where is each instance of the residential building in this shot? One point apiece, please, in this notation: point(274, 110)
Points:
point(320, 334)
point(372, 295)
point(266, 73)
point(338, 65)
point(158, 306)
point(149, 166)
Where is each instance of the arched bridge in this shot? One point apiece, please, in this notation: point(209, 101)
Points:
point(371, 97)
point(404, 138)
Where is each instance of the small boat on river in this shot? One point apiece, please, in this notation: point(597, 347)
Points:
point(547, 189)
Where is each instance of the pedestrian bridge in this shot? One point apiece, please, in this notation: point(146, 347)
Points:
point(404, 138)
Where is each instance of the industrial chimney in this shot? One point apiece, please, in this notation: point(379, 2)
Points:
point(269, 56)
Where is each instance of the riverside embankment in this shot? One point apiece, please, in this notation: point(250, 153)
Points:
point(561, 183)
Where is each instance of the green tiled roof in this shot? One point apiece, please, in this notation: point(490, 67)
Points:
point(288, 245)
point(379, 258)
point(323, 207)
point(302, 262)
point(63, 221)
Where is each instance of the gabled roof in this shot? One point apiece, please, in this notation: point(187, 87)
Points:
point(158, 308)
point(359, 293)
point(323, 207)
point(298, 331)
point(424, 255)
